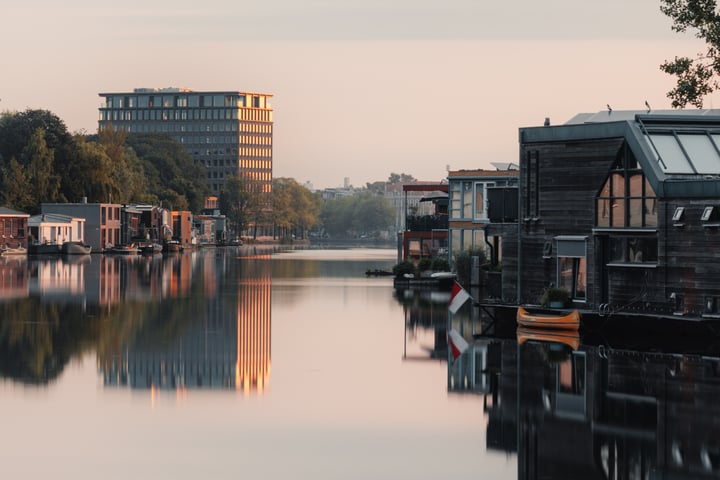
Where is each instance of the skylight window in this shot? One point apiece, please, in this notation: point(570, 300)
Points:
point(687, 152)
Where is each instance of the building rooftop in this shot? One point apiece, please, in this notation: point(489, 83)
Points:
point(679, 150)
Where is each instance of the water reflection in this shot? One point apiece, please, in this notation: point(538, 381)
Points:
point(601, 407)
point(200, 320)
point(591, 411)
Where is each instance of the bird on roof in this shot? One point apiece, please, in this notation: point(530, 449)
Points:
point(648, 106)
point(609, 108)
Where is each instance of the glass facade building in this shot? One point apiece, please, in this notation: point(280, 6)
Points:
point(229, 132)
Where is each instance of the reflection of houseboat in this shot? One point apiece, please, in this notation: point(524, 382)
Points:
point(172, 246)
point(595, 411)
point(622, 209)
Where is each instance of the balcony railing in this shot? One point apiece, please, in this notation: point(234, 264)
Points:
point(426, 223)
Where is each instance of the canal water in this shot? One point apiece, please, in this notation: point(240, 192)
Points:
point(281, 363)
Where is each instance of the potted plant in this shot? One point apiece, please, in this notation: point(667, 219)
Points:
point(555, 297)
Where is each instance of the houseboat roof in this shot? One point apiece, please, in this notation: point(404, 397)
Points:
point(45, 218)
point(9, 212)
point(679, 150)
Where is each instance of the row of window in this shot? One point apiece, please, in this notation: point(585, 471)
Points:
point(262, 143)
point(185, 115)
point(186, 100)
point(257, 130)
point(467, 200)
point(251, 153)
point(243, 163)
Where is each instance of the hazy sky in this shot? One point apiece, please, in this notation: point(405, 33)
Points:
point(362, 88)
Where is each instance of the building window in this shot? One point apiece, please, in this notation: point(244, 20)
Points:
point(633, 249)
point(480, 200)
point(532, 184)
point(572, 272)
point(626, 198)
point(572, 265)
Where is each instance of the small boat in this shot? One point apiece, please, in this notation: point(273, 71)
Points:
point(571, 338)
point(7, 251)
point(75, 248)
point(150, 248)
point(173, 246)
point(566, 321)
point(130, 249)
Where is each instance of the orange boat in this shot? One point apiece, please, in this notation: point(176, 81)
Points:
point(569, 321)
point(566, 337)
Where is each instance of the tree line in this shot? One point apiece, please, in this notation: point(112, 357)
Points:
point(42, 162)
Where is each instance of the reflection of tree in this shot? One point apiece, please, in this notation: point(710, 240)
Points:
point(37, 341)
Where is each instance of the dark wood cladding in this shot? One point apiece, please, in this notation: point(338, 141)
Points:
point(568, 178)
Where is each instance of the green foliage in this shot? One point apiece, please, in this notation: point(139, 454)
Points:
point(237, 202)
point(463, 263)
point(349, 216)
point(425, 264)
point(406, 266)
point(695, 78)
point(395, 178)
point(440, 265)
point(295, 209)
point(554, 294)
point(170, 171)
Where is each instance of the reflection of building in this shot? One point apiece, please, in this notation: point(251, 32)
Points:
point(80, 280)
point(13, 277)
point(426, 315)
point(599, 412)
point(222, 337)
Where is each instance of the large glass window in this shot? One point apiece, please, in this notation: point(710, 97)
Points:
point(572, 272)
point(626, 199)
point(467, 200)
point(480, 208)
point(633, 249)
point(572, 266)
point(455, 200)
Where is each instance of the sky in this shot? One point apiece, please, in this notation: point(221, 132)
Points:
point(361, 88)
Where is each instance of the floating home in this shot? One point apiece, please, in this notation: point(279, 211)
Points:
point(622, 209)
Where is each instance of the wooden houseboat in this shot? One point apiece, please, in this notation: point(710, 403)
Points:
point(622, 209)
point(426, 222)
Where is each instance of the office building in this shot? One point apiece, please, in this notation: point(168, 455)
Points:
point(229, 132)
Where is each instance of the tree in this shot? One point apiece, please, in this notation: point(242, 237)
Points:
point(294, 208)
point(349, 216)
point(377, 188)
point(39, 159)
point(15, 190)
point(16, 129)
point(170, 171)
point(237, 202)
point(697, 77)
point(395, 178)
